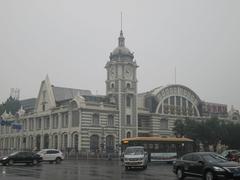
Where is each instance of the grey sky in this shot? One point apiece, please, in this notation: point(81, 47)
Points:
point(71, 42)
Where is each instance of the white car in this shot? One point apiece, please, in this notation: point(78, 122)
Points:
point(135, 156)
point(51, 155)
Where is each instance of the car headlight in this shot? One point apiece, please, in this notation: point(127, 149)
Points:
point(4, 158)
point(126, 159)
point(218, 169)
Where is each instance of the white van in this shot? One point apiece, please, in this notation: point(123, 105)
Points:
point(135, 156)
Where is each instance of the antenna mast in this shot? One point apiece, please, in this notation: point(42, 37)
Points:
point(121, 21)
point(175, 75)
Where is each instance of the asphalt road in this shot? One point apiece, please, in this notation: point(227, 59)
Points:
point(86, 170)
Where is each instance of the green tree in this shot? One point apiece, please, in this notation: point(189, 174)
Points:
point(179, 128)
point(11, 105)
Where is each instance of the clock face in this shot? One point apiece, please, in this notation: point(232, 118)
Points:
point(128, 72)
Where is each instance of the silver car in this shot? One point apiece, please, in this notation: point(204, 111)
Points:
point(51, 155)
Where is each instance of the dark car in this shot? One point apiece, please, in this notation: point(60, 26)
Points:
point(21, 157)
point(207, 165)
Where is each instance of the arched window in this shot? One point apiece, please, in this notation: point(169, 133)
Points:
point(128, 134)
point(46, 141)
point(128, 85)
point(6, 143)
point(56, 141)
point(23, 142)
point(75, 141)
point(65, 141)
point(109, 143)
point(31, 142)
point(112, 85)
point(38, 142)
point(74, 104)
point(94, 143)
point(11, 142)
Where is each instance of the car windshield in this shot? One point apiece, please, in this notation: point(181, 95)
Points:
point(12, 154)
point(134, 151)
point(214, 158)
point(41, 152)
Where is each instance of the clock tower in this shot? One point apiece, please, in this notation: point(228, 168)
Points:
point(121, 87)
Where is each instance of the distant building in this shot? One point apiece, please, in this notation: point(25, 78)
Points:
point(67, 118)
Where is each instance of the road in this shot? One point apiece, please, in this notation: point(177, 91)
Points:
point(86, 170)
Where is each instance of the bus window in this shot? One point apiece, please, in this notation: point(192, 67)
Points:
point(161, 147)
point(145, 146)
point(173, 148)
point(150, 146)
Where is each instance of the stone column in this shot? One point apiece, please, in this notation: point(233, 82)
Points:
point(175, 104)
point(20, 143)
point(59, 121)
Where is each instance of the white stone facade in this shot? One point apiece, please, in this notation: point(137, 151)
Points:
point(74, 119)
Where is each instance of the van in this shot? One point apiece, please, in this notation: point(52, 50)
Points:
point(135, 156)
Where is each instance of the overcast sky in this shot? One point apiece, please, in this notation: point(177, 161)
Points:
point(71, 42)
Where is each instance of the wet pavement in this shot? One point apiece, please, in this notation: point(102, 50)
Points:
point(86, 170)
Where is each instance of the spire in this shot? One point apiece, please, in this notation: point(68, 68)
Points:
point(121, 39)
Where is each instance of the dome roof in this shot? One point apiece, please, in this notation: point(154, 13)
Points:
point(121, 50)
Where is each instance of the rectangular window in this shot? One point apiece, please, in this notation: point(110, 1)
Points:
point(96, 119)
point(110, 120)
point(128, 101)
point(55, 121)
point(65, 120)
point(24, 121)
point(46, 122)
point(75, 118)
point(38, 123)
point(7, 129)
point(163, 124)
point(31, 124)
point(128, 120)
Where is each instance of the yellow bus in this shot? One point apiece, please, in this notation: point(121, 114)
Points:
point(161, 148)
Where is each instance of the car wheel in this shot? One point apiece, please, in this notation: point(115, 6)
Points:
point(10, 162)
point(180, 174)
point(34, 162)
point(58, 160)
point(209, 175)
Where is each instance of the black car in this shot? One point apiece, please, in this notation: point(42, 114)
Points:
point(21, 157)
point(207, 165)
